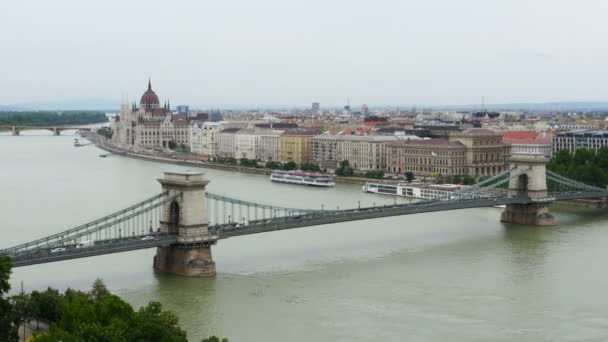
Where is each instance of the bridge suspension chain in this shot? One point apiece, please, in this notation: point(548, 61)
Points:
point(126, 222)
point(224, 211)
point(567, 181)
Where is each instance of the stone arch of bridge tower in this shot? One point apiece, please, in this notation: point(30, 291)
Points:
point(174, 218)
point(522, 184)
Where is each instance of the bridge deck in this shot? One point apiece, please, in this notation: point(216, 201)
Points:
point(107, 247)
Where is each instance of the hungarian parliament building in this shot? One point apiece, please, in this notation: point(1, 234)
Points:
point(149, 125)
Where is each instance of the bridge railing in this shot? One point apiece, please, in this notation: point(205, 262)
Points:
point(123, 223)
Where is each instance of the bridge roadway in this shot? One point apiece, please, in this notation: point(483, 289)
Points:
point(224, 231)
point(100, 248)
point(216, 232)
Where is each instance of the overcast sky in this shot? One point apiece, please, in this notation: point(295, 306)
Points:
point(282, 52)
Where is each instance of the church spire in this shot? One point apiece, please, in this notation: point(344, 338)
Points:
point(149, 84)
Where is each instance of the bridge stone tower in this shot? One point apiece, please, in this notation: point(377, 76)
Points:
point(531, 184)
point(185, 216)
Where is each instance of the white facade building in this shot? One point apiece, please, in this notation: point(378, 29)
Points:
point(204, 138)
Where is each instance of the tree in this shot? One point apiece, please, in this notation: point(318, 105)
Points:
point(273, 165)
point(248, 162)
point(468, 180)
point(181, 148)
point(101, 316)
point(585, 165)
point(310, 167)
point(344, 169)
point(105, 132)
point(409, 175)
point(99, 290)
point(290, 165)
point(45, 305)
point(378, 174)
point(214, 339)
point(9, 319)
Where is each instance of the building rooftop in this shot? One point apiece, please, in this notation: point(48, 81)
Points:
point(230, 130)
point(308, 132)
point(477, 131)
point(429, 142)
point(585, 133)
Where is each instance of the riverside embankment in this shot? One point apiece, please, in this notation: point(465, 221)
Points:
point(182, 159)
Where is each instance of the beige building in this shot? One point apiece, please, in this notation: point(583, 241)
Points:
point(324, 151)
point(366, 152)
point(429, 157)
point(268, 145)
point(486, 154)
point(295, 145)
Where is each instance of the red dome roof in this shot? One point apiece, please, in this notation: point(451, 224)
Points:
point(149, 99)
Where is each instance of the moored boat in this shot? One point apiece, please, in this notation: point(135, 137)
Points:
point(302, 178)
point(414, 190)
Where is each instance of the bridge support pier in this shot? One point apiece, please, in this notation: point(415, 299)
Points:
point(185, 261)
point(528, 214)
point(56, 131)
point(186, 217)
point(530, 182)
point(15, 131)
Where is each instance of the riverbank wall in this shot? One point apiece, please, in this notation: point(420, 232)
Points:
point(203, 164)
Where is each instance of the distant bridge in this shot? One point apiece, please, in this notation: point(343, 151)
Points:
point(55, 129)
point(184, 221)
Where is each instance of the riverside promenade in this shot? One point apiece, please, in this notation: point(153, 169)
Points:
point(190, 160)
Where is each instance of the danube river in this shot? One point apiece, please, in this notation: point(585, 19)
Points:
point(457, 276)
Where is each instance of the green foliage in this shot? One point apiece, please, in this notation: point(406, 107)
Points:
point(181, 148)
point(229, 160)
point(97, 315)
point(45, 305)
point(248, 162)
point(310, 167)
point(378, 174)
point(105, 132)
point(468, 180)
point(99, 290)
point(9, 319)
point(273, 165)
point(214, 339)
point(46, 118)
point(6, 267)
point(344, 169)
point(587, 166)
point(409, 175)
point(290, 166)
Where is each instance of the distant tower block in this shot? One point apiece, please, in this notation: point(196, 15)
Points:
point(364, 110)
point(315, 107)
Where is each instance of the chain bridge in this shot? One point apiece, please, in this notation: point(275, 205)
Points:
point(184, 220)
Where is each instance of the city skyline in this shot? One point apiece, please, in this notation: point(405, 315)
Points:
point(240, 54)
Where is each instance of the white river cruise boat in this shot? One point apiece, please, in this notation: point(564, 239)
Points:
point(302, 178)
point(415, 190)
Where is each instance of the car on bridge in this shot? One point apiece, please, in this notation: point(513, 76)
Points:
point(56, 250)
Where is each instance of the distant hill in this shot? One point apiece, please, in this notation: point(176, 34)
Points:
point(4, 108)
